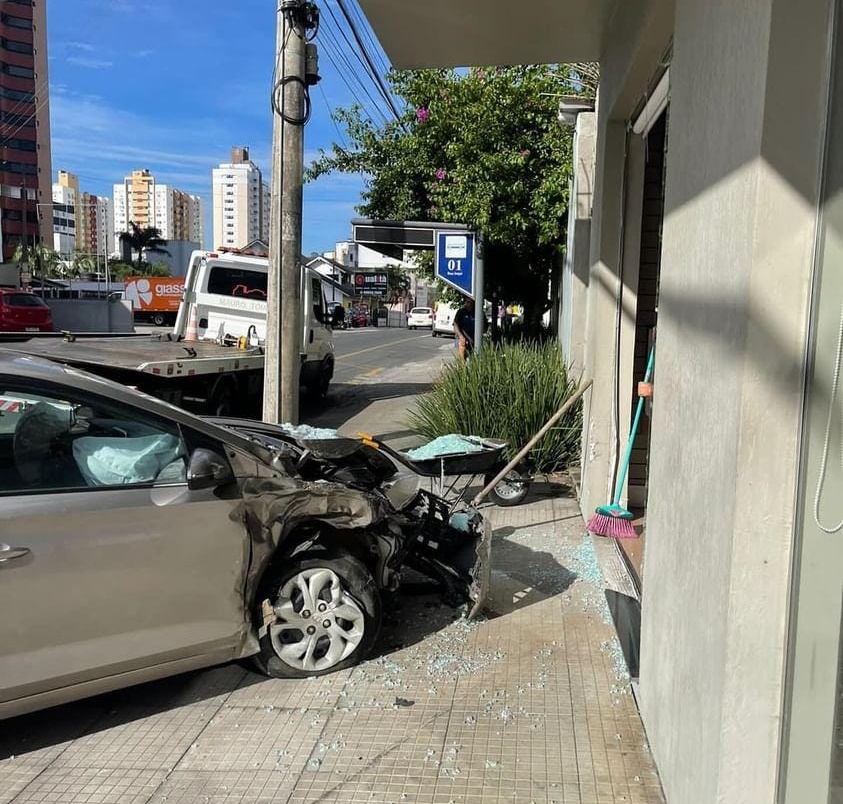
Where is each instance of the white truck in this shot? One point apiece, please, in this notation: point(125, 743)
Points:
point(213, 360)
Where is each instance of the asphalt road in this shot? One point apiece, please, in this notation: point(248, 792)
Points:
point(378, 373)
point(380, 366)
point(369, 351)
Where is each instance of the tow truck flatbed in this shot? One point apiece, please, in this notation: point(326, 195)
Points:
point(154, 354)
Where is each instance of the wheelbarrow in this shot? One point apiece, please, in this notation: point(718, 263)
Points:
point(455, 472)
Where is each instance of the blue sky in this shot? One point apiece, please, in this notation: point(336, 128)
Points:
point(171, 85)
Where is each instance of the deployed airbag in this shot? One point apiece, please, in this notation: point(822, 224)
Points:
point(115, 461)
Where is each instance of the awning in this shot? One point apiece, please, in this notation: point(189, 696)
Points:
point(461, 33)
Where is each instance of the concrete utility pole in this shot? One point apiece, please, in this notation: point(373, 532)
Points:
point(284, 318)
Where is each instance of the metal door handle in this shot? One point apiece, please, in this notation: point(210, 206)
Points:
point(9, 553)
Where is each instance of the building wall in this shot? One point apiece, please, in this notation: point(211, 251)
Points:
point(238, 197)
point(121, 211)
point(196, 230)
point(63, 214)
point(42, 83)
point(95, 225)
point(26, 170)
point(740, 200)
point(266, 206)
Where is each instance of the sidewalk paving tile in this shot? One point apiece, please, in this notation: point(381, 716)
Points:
point(71, 785)
point(155, 741)
point(246, 738)
point(529, 703)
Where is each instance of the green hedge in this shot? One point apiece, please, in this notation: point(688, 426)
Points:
point(507, 392)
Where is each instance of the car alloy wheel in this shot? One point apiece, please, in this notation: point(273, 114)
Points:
point(324, 614)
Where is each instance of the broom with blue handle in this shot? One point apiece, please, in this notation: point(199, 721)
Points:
point(613, 519)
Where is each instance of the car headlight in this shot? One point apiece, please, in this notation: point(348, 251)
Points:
point(401, 490)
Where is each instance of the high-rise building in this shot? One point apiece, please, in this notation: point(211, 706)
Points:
point(141, 200)
point(65, 213)
point(197, 231)
point(25, 163)
point(241, 210)
point(266, 206)
point(94, 225)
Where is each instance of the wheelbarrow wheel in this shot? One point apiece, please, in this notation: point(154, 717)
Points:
point(511, 490)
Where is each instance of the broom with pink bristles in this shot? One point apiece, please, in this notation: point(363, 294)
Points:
point(613, 519)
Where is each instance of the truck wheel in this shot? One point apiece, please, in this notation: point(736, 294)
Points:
point(318, 389)
point(158, 319)
point(511, 490)
point(223, 399)
point(325, 612)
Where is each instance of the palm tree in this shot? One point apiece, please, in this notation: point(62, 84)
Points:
point(144, 239)
point(41, 261)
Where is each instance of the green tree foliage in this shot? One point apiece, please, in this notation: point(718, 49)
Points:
point(144, 240)
point(40, 261)
point(398, 284)
point(482, 147)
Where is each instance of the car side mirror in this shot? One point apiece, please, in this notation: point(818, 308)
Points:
point(207, 470)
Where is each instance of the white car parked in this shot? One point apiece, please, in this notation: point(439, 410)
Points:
point(420, 317)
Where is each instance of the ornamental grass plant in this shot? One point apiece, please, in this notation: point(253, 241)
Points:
point(507, 391)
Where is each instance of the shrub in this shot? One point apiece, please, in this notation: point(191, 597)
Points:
point(506, 392)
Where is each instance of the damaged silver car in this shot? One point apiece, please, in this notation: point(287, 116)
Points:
point(138, 541)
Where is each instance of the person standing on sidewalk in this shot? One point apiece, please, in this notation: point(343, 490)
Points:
point(464, 328)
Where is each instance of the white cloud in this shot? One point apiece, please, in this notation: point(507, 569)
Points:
point(142, 54)
point(79, 46)
point(93, 64)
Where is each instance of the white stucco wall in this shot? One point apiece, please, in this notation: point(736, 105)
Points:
point(741, 190)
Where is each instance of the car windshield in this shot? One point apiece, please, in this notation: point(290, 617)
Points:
point(420, 311)
point(22, 300)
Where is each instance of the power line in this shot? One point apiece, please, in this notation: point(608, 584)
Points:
point(376, 48)
point(335, 53)
point(336, 30)
point(378, 79)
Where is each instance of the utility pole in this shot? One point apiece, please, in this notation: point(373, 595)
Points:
point(284, 318)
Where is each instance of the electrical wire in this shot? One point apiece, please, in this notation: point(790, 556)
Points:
point(39, 106)
point(334, 47)
point(344, 76)
point(376, 49)
point(379, 82)
point(331, 115)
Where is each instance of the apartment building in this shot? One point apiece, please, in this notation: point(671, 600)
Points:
point(141, 200)
point(65, 209)
point(94, 225)
point(25, 164)
point(241, 202)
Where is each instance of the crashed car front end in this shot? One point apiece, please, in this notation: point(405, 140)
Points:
point(340, 496)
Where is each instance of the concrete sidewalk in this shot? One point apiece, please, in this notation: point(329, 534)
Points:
point(531, 703)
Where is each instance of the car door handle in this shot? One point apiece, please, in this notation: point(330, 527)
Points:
point(311, 336)
point(9, 553)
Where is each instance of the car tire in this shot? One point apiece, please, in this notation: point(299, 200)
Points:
point(158, 320)
point(223, 400)
point(511, 490)
point(337, 582)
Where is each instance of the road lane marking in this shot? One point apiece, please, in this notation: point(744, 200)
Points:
point(382, 346)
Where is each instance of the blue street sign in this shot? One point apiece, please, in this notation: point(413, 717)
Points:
point(455, 260)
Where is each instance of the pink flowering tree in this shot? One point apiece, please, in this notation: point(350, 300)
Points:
point(482, 147)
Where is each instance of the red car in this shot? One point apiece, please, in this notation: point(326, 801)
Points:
point(21, 311)
point(359, 317)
